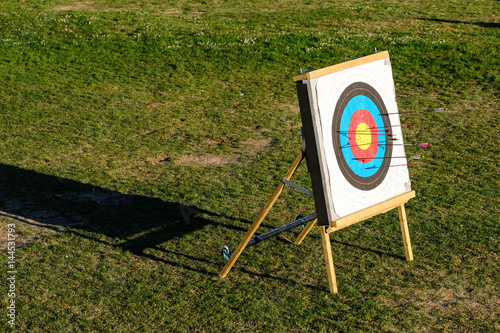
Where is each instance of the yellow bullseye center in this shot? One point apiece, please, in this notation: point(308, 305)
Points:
point(363, 136)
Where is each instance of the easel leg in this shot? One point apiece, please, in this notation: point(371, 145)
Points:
point(405, 232)
point(327, 251)
point(306, 231)
point(262, 215)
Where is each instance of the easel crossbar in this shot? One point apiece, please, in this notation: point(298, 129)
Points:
point(298, 187)
point(370, 212)
point(396, 202)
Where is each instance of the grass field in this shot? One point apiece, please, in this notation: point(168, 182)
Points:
point(115, 112)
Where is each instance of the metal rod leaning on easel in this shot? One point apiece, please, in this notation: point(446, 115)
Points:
point(262, 215)
point(279, 230)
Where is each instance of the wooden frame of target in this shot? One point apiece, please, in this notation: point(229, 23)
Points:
point(354, 146)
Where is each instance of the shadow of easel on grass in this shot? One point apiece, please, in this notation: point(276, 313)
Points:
point(132, 222)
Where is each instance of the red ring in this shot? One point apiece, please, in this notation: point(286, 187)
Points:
point(363, 155)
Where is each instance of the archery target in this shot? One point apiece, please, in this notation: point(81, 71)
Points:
point(359, 136)
point(358, 132)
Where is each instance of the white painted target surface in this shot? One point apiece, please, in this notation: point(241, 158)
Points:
point(353, 134)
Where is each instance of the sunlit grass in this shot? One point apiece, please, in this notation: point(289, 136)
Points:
point(114, 113)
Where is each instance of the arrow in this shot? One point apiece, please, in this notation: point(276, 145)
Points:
point(419, 111)
point(364, 144)
point(395, 125)
point(386, 127)
point(423, 145)
point(344, 133)
point(390, 166)
point(414, 157)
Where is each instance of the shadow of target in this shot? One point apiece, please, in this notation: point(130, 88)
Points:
point(132, 222)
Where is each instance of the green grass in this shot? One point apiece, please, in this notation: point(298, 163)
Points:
point(114, 113)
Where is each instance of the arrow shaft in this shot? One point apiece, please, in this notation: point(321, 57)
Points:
point(365, 144)
point(416, 157)
point(418, 111)
point(397, 165)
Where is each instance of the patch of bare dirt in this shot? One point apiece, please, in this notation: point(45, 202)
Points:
point(171, 12)
point(87, 6)
point(446, 302)
point(206, 160)
point(158, 159)
point(252, 146)
point(90, 6)
point(81, 5)
point(256, 146)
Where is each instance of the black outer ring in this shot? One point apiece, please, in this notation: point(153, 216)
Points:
point(362, 183)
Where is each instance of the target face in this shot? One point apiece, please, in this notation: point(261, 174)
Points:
point(352, 133)
point(359, 138)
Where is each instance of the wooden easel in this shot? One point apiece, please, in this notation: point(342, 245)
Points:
point(262, 215)
point(325, 231)
point(359, 216)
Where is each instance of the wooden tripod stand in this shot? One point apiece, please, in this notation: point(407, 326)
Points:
point(262, 215)
point(396, 202)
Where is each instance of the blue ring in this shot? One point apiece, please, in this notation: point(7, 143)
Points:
point(362, 169)
point(363, 176)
